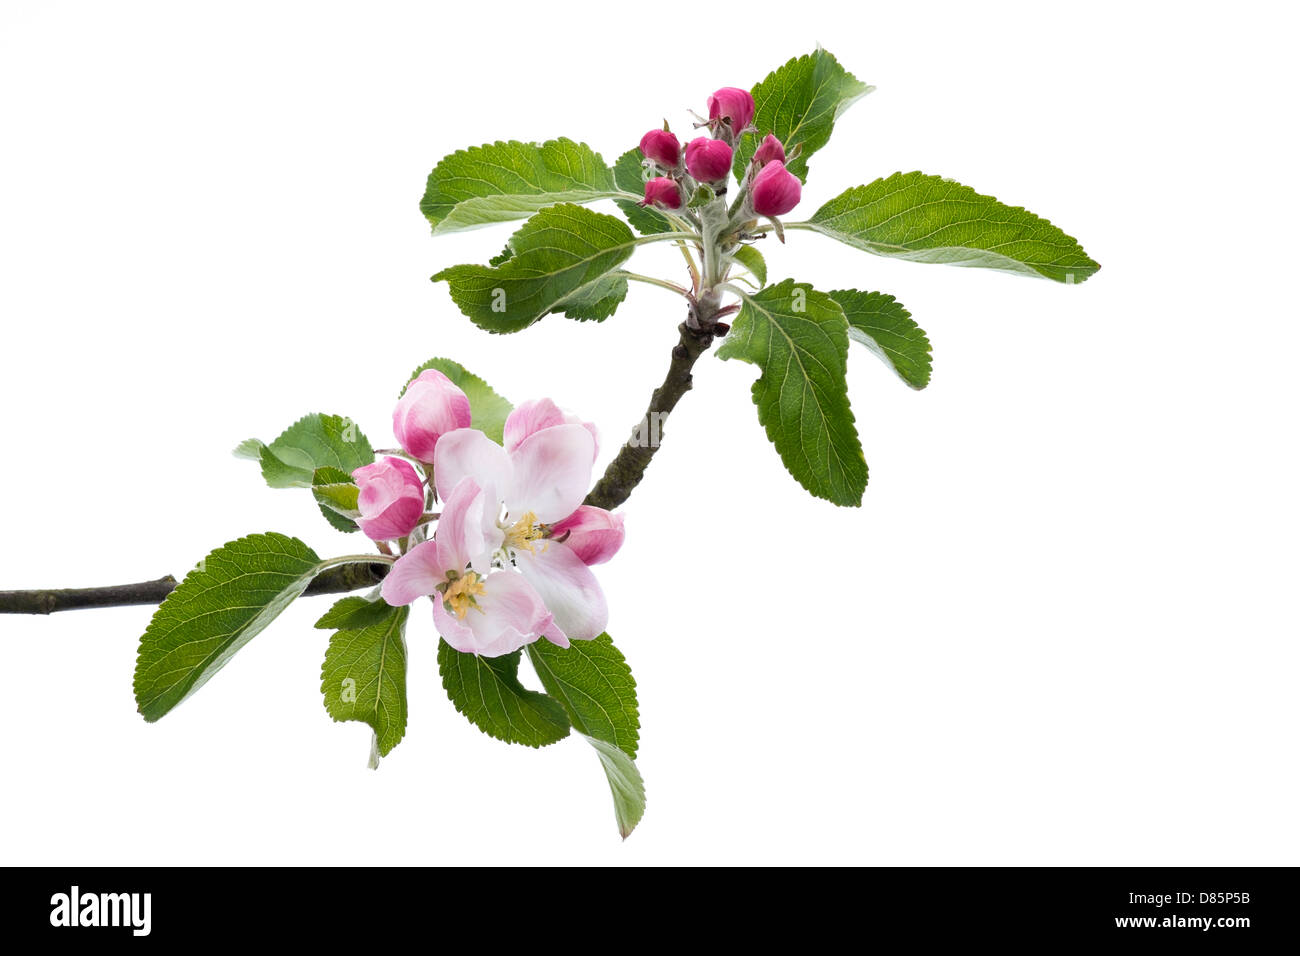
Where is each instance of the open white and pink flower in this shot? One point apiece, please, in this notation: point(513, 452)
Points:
point(509, 562)
point(477, 610)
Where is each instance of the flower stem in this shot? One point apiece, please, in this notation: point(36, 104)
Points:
point(650, 280)
point(666, 237)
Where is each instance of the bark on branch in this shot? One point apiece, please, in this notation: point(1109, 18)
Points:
point(348, 577)
point(628, 467)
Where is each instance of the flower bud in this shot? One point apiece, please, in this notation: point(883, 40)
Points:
point(732, 104)
point(431, 406)
point(593, 534)
point(769, 151)
point(663, 191)
point(662, 147)
point(708, 160)
point(775, 190)
point(391, 500)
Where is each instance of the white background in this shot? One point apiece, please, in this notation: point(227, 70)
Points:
point(1061, 629)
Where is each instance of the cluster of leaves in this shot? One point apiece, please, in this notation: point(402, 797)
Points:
point(569, 259)
point(239, 588)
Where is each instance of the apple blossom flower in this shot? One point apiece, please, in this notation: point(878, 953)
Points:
point(537, 484)
point(733, 105)
point(391, 499)
point(431, 406)
point(775, 190)
point(663, 147)
point(476, 608)
point(663, 191)
point(770, 150)
point(708, 160)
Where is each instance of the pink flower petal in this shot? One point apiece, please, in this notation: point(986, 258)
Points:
point(467, 531)
point(397, 520)
point(556, 636)
point(509, 615)
point(415, 574)
point(593, 534)
point(467, 452)
point(775, 191)
point(453, 630)
point(568, 587)
point(530, 417)
point(390, 499)
point(431, 406)
point(552, 472)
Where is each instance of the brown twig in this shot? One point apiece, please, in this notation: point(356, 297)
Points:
point(348, 577)
point(628, 467)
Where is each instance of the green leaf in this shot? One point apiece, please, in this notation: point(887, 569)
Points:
point(930, 219)
point(753, 260)
point(799, 103)
point(249, 448)
point(881, 323)
point(624, 782)
point(487, 691)
point(488, 410)
point(559, 255)
point(314, 441)
point(594, 685)
point(220, 606)
point(630, 176)
point(354, 612)
point(702, 197)
point(336, 493)
point(502, 181)
point(364, 674)
point(799, 338)
point(598, 301)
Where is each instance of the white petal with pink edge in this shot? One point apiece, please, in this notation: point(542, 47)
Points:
point(415, 574)
point(552, 472)
point(467, 531)
point(509, 615)
point(468, 453)
point(568, 587)
point(530, 417)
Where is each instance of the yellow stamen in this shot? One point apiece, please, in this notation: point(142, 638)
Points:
point(462, 594)
point(521, 535)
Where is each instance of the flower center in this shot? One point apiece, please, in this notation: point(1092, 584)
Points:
point(521, 535)
point(462, 594)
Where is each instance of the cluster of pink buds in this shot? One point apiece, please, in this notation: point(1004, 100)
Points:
point(772, 189)
point(392, 493)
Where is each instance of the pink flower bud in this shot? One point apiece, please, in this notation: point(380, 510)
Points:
point(775, 190)
point(733, 104)
point(663, 191)
point(391, 500)
point(431, 407)
point(593, 534)
point(769, 151)
point(661, 146)
point(708, 160)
